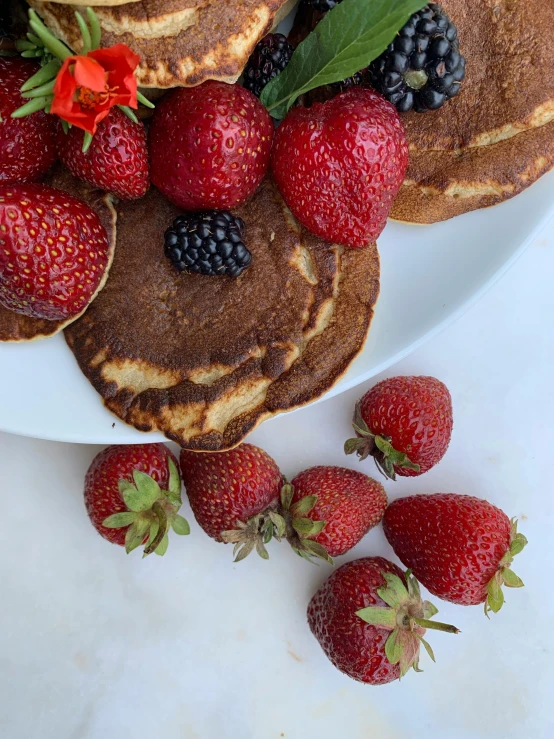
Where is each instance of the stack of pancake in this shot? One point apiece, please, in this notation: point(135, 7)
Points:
point(497, 137)
point(180, 42)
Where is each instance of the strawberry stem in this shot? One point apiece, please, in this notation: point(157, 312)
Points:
point(162, 529)
point(436, 625)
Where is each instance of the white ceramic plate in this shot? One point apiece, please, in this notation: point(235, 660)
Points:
point(430, 275)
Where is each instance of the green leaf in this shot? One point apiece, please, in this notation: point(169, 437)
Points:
point(517, 545)
point(161, 549)
point(180, 526)
point(279, 522)
point(353, 445)
point(128, 112)
point(317, 549)
point(133, 538)
point(85, 33)
point(118, 520)
point(376, 616)
point(348, 38)
point(31, 107)
point(95, 30)
point(317, 527)
point(87, 141)
point(261, 550)
point(154, 528)
point(304, 505)
point(44, 74)
point(147, 103)
point(511, 580)
point(303, 525)
point(287, 494)
point(427, 648)
point(393, 647)
point(53, 44)
point(174, 485)
point(394, 593)
point(495, 598)
point(147, 487)
point(429, 610)
point(398, 459)
point(42, 90)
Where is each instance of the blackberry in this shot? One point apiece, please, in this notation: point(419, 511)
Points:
point(422, 68)
point(211, 243)
point(357, 80)
point(269, 58)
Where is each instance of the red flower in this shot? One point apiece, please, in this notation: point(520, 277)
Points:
point(88, 86)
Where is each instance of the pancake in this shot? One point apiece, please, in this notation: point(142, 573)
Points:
point(205, 359)
point(101, 3)
point(180, 42)
point(16, 327)
point(497, 136)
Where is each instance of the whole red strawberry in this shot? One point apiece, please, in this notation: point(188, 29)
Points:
point(27, 145)
point(116, 160)
point(339, 165)
point(405, 423)
point(459, 547)
point(133, 494)
point(370, 620)
point(210, 146)
point(346, 504)
point(232, 495)
point(54, 252)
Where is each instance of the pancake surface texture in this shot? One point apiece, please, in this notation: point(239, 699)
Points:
point(17, 327)
point(497, 136)
point(205, 359)
point(180, 42)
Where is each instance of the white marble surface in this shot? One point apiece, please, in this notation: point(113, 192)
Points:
point(95, 645)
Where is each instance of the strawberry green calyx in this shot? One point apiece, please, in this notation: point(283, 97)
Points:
point(299, 529)
point(282, 520)
point(379, 447)
point(151, 512)
point(406, 617)
point(505, 575)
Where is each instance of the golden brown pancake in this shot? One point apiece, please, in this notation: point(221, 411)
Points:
point(496, 137)
point(205, 359)
point(180, 42)
point(16, 327)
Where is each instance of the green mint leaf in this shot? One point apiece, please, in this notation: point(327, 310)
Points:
point(349, 37)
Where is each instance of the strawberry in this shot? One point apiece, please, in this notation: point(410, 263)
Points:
point(344, 503)
point(210, 146)
point(339, 165)
point(117, 159)
point(370, 620)
point(54, 252)
point(461, 548)
point(133, 494)
point(27, 145)
point(405, 423)
point(232, 495)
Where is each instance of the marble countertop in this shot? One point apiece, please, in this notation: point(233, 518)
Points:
point(95, 645)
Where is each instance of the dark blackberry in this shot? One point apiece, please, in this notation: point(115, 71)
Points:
point(211, 243)
point(322, 6)
point(356, 80)
point(269, 58)
point(422, 68)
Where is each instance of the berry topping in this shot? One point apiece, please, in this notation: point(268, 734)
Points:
point(54, 252)
point(422, 68)
point(210, 146)
point(340, 164)
point(27, 145)
point(269, 58)
point(211, 243)
point(117, 159)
